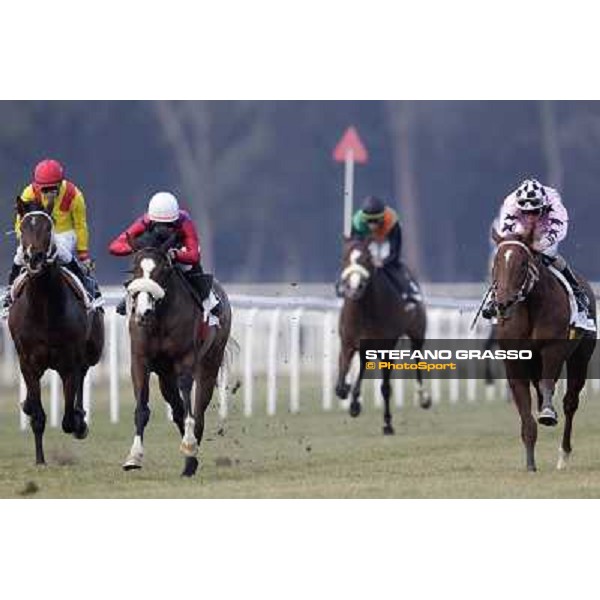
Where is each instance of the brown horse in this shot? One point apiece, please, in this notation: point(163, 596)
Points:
point(372, 309)
point(170, 337)
point(532, 305)
point(52, 327)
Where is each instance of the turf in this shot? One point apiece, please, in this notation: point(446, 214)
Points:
point(467, 450)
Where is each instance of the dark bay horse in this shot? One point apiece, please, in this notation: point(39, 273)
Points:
point(170, 337)
point(372, 309)
point(534, 306)
point(52, 327)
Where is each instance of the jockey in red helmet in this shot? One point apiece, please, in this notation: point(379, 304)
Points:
point(66, 204)
point(164, 211)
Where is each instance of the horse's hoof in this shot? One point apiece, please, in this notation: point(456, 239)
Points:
point(342, 390)
point(355, 409)
point(388, 430)
point(425, 400)
point(67, 426)
point(563, 459)
point(190, 467)
point(188, 449)
point(548, 417)
point(531, 468)
point(132, 463)
point(81, 434)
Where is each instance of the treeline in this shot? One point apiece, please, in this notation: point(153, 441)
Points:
point(259, 179)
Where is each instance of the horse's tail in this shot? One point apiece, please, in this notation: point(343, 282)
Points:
point(232, 350)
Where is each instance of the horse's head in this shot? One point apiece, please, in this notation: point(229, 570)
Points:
point(515, 272)
point(37, 235)
point(357, 268)
point(152, 268)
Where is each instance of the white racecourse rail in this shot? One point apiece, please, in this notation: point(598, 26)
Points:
point(281, 340)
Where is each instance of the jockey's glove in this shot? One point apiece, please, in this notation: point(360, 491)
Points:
point(172, 254)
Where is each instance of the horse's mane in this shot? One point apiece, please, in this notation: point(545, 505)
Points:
point(515, 237)
point(156, 237)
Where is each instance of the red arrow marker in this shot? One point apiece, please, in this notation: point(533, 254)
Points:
point(351, 142)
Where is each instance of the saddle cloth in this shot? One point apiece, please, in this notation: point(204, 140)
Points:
point(580, 320)
point(208, 318)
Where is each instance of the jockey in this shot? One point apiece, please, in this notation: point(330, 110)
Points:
point(67, 207)
point(538, 209)
point(379, 222)
point(163, 210)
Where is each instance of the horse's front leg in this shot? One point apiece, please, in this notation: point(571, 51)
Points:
point(189, 443)
point(80, 428)
point(552, 361)
point(342, 388)
point(71, 380)
point(355, 407)
point(33, 408)
point(386, 392)
point(522, 396)
point(423, 396)
point(140, 375)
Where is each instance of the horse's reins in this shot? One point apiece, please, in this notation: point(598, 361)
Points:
point(532, 277)
point(52, 251)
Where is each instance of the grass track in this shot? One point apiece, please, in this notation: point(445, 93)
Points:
point(461, 451)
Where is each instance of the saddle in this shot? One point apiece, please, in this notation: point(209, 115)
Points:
point(403, 282)
point(70, 279)
point(203, 294)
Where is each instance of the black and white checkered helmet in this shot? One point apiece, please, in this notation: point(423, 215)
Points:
point(531, 196)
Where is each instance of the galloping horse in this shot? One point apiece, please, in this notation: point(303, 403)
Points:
point(532, 305)
point(170, 337)
point(373, 310)
point(52, 325)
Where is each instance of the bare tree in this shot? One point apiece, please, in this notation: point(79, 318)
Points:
point(186, 127)
point(551, 143)
point(401, 117)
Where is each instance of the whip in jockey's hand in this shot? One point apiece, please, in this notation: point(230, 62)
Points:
point(164, 212)
point(66, 204)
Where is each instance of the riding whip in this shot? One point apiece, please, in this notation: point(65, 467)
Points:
point(485, 297)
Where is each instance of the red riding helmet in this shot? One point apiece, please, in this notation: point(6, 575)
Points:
point(48, 172)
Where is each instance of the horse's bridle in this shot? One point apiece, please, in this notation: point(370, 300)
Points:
point(52, 252)
point(531, 278)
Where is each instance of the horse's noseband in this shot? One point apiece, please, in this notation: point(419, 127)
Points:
point(531, 278)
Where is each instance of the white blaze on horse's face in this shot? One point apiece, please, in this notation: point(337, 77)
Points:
point(507, 256)
point(145, 302)
point(354, 274)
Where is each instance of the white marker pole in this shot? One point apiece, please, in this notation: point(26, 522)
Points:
point(348, 191)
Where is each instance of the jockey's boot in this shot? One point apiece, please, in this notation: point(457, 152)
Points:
point(7, 302)
point(89, 283)
point(200, 282)
point(583, 302)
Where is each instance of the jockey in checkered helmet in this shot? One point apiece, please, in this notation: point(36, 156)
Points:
point(537, 210)
point(531, 196)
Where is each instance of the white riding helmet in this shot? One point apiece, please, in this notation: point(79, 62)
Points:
point(531, 196)
point(163, 208)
